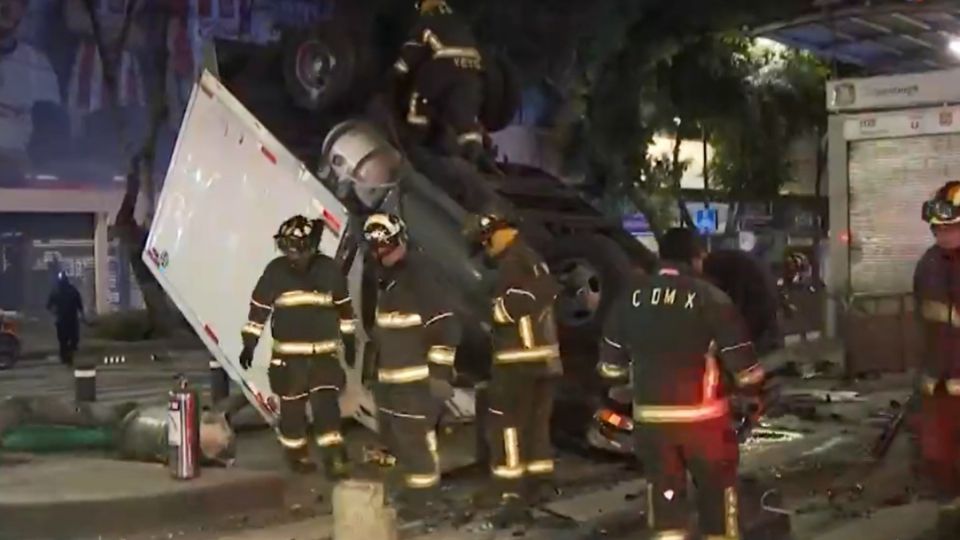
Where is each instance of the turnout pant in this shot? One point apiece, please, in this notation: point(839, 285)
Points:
point(519, 428)
point(408, 415)
point(68, 337)
point(445, 102)
point(940, 449)
point(708, 451)
point(299, 380)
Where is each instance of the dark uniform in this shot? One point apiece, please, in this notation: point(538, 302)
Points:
point(687, 348)
point(442, 59)
point(66, 304)
point(526, 362)
point(753, 289)
point(937, 292)
point(417, 336)
point(311, 322)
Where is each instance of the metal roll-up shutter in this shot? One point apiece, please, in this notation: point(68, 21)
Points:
point(889, 180)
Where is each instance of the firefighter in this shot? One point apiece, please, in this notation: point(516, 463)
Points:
point(526, 364)
point(304, 295)
point(417, 335)
point(936, 289)
point(66, 304)
point(442, 62)
point(680, 340)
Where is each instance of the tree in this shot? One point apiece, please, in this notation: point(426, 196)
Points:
point(139, 186)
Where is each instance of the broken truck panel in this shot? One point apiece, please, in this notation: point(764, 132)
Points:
point(229, 185)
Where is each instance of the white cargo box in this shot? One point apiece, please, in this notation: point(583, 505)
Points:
point(229, 187)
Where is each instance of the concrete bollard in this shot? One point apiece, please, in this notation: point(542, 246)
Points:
point(219, 382)
point(85, 381)
point(360, 512)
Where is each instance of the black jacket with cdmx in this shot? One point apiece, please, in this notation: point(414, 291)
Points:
point(439, 35)
point(415, 327)
point(685, 344)
point(309, 310)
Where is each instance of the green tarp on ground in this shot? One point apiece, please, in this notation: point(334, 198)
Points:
point(56, 439)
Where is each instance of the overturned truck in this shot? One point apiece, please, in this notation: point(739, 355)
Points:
point(248, 157)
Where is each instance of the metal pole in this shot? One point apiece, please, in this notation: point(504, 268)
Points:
point(219, 382)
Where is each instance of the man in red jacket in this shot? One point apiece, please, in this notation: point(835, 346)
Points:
point(936, 290)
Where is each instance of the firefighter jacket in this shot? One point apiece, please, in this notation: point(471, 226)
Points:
point(440, 35)
point(309, 311)
point(687, 346)
point(524, 327)
point(936, 289)
point(416, 331)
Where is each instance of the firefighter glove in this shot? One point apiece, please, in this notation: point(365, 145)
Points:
point(246, 357)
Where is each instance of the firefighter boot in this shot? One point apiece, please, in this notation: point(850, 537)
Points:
point(299, 461)
point(336, 466)
point(948, 521)
point(513, 511)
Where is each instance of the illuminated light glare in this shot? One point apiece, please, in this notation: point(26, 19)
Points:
point(955, 46)
point(668, 494)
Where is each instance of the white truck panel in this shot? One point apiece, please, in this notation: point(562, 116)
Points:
point(229, 186)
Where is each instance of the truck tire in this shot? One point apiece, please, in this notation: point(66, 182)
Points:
point(592, 269)
point(319, 66)
point(501, 91)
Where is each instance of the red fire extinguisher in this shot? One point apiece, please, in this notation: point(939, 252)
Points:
point(183, 432)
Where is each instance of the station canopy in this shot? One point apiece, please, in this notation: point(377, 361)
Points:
point(882, 37)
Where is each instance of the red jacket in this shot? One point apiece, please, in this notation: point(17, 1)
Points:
point(936, 290)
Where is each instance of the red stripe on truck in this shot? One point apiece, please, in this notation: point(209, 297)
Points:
point(209, 331)
point(332, 221)
point(268, 154)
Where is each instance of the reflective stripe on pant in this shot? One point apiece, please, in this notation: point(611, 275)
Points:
point(407, 419)
point(940, 448)
point(519, 428)
point(708, 451)
point(300, 380)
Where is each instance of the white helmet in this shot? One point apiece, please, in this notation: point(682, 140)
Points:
point(384, 230)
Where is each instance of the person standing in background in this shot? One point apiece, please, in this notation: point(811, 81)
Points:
point(66, 304)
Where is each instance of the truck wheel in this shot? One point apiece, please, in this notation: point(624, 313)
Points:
point(9, 350)
point(319, 66)
point(501, 90)
point(592, 269)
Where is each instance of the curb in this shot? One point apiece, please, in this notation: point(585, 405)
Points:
point(81, 510)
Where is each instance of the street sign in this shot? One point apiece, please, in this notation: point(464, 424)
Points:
point(636, 224)
point(706, 220)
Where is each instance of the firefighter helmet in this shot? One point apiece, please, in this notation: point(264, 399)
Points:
point(384, 230)
point(433, 6)
point(944, 207)
point(349, 146)
point(480, 227)
point(299, 235)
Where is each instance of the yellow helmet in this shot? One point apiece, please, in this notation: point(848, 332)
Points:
point(426, 7)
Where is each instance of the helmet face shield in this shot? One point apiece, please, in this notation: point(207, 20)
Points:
point(940, 212)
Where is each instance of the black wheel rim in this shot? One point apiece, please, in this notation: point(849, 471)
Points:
point(579, 300)
point(315, 66)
